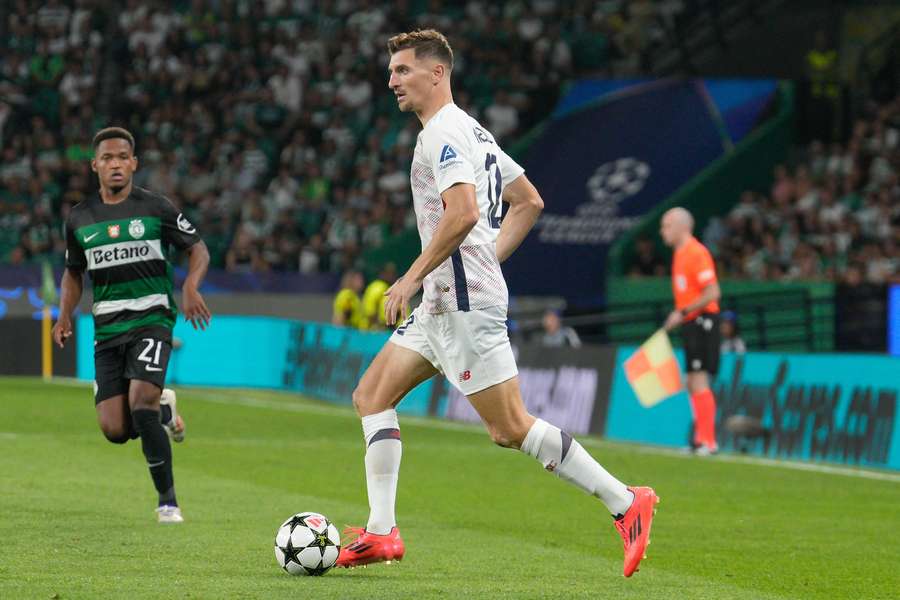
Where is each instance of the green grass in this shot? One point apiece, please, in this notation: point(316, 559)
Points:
point(76, 513)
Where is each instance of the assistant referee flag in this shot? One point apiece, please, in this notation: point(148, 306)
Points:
point(652, 371)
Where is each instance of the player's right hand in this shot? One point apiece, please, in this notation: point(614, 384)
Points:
point(62, 330)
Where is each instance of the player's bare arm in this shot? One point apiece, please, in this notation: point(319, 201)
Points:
point(525, 206)
point(72, 286)
point(710, 293)
point(460, 216)
point(192, 303)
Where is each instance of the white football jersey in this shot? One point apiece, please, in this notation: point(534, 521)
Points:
point(453, 148)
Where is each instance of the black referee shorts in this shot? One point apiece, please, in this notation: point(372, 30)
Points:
point(702, 342)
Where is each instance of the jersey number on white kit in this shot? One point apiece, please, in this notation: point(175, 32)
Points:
point(494, 189)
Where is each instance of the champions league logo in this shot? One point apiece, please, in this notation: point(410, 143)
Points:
point(598, 221)
point(617, 180)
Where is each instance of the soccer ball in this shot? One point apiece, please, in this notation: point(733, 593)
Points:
point(307, 544)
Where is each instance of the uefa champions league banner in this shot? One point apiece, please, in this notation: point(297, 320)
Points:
point(600, 170)
point(825, 407)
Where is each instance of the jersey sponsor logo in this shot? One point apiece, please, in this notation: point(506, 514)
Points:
point(88, 238)
point(123, 253)
point(185, 225)
point(681, 282)
point(447, 153)
point(136, 228)
point(113, 230)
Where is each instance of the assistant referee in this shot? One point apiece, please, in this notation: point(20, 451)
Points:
point(696, 291)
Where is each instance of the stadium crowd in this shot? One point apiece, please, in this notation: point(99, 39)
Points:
point(270, 122)
point(834, 216)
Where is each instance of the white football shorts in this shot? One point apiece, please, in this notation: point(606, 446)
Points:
point(471, 348)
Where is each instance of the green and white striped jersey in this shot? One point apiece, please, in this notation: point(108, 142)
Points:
point(123, 248)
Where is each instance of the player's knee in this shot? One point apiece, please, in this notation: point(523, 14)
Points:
point(117, 433)
point(363, 401)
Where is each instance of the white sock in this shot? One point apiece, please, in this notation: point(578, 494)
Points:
point(563, 455)
point(383, 452)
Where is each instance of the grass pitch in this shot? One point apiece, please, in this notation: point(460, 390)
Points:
point(77, 521)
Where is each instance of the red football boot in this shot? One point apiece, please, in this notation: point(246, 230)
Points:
point(370, 548)
point(634, 527)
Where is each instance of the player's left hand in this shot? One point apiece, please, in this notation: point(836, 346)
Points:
point(195, 309)
point(674, 319)
point(396, 308)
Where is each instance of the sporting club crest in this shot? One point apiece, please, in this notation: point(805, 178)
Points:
point(136, 229)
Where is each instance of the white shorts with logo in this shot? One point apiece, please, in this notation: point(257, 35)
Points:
point(471, 348)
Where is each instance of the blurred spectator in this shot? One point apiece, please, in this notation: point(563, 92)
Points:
point(647, 262)
point(731, 338)
point(555, 335)
point(347, 310)
point(822, 63)
point(244, 256)
point(374, 299)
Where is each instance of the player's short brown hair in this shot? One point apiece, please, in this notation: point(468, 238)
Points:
point(113, 133)
point(426, 42)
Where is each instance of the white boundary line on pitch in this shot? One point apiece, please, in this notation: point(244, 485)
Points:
point(246, 399)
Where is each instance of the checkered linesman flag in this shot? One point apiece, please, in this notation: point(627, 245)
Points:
point(653, 371)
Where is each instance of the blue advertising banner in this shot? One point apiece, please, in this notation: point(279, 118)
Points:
point(831, 407)
point(599, 171)
point(893, 318)
point(315, 359)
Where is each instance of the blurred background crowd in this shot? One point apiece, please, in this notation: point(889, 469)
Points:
point(832, 215)
point(270, 122)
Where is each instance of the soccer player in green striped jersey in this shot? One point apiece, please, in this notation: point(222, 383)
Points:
point(121, 239)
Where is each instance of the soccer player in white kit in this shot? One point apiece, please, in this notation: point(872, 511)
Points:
point(459, 178)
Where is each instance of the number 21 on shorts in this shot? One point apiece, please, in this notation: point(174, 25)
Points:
point(153, 347)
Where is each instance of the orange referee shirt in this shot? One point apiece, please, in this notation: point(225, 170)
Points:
point(692, 270)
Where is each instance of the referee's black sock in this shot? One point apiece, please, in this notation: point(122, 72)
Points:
point(157, 451)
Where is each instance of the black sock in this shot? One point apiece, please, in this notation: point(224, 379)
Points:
point(158, 453)
point(165, 413)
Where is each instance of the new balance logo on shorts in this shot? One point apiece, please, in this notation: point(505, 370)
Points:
point(465, 376)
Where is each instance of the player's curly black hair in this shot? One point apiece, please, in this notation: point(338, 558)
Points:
point(113, 133)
